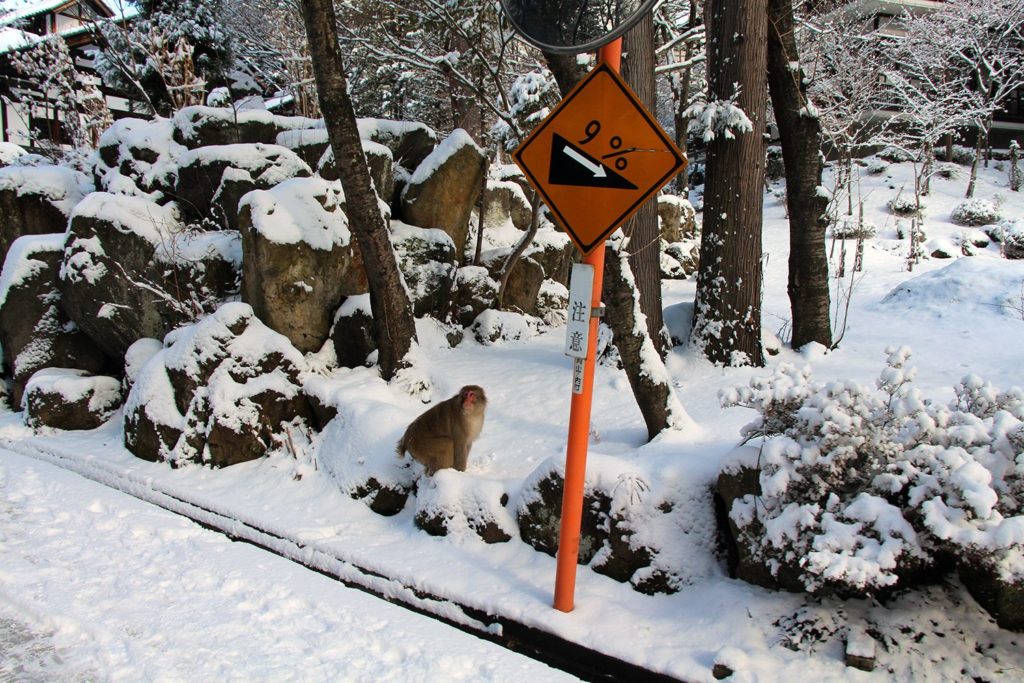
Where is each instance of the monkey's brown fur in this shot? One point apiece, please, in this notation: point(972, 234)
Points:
point(441, 437)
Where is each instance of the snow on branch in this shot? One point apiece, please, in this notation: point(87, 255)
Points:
point(721, 117)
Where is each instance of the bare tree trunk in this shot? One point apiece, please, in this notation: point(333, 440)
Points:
point(808, 208)
point(727, 324)
point(642, 228)
point(392, 312)
point(979, 145)
point(646, 372)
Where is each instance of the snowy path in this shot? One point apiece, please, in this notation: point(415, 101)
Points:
point(96, 585)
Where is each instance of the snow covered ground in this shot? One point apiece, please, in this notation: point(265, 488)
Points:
point(97, 585)
point(959, 316)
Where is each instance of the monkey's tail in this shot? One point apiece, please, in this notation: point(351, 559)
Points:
point(400, 448)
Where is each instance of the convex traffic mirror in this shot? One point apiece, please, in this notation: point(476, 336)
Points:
point(574, 26)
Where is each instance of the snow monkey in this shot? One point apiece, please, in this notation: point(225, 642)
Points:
point(441, 436)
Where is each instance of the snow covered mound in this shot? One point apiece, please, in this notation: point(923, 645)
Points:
point(988, 286)
point(223, 391)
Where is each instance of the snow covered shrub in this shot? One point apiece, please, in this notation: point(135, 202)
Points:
point(876, 166)
point(905, 205)
point(1016, 175)
point(853, 227)
point(860, 488)
point(895, 155)
point(975, 212)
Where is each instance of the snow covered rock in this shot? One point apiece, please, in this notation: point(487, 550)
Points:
point(204, 126)
point(443, 190)
point(37, 200)
point(132, 270)
point(63, 398)
point(427, 259)
point(451, 503)
point(309, 144)
point(212, 180)
point(680, 260)
point(553, 302)
point(524, 280)
point(378, 161)
point(299, 259)
point(9, 152)
point(35, 332)
point(137, 156)
point(677, 219)
point(409, 141)
point(615, 507)
point(223, 391)
point(555, 253)
point(492, 327)
point(1010, 235)
point(354, 332)
point(505, 202)
point(474, 293)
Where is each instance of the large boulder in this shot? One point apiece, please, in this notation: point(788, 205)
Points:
point(452, 503)
point(131, 269)
point(505, 202)
point(138, 156)
point(224, 390)
point(443, 190)
point(35, 332)
point(378, 161)
point(354, 333)
point(299, 259)
point(62, 398)
point(309, 144)
point(9, 152)
point(205, 126)
point(212, 180)
point(409, 141)
point(474, 292)
point(37, 200)
point(524, 280)
point(427, 259)
point(555, 253)
point(677, 219)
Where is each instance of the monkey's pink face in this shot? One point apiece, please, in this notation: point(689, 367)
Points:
point(469, 400)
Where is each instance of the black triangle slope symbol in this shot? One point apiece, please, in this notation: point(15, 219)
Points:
point(570, 165)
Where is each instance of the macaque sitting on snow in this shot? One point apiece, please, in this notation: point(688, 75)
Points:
point(441, 436)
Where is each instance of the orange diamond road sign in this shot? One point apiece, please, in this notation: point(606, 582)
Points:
point(598, 157)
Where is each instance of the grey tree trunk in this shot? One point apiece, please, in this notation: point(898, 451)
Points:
point(645, 237)
point(808, 208)
point(392, 312)
point(644, 368)
point(727, 323)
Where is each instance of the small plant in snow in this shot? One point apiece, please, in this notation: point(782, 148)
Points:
point(1016, 175)
point(862, 486)
point(721, 117)
point(1010, 235)
point(975, 212)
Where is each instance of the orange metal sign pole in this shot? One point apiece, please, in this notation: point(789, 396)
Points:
point(579, 422)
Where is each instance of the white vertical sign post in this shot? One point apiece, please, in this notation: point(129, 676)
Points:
point(577, 331)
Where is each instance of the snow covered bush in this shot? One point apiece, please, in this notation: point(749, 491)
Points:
point(975, 212)
point(860, 488)
point(895, 155)
point(853, 227)
point(905, 205)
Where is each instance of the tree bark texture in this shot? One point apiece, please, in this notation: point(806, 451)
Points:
point(392, 312)
point(645, 237)
point(645, 369)
point(808, 209)
point(727, 324)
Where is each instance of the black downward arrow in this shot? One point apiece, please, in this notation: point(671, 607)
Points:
point(570, 165)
